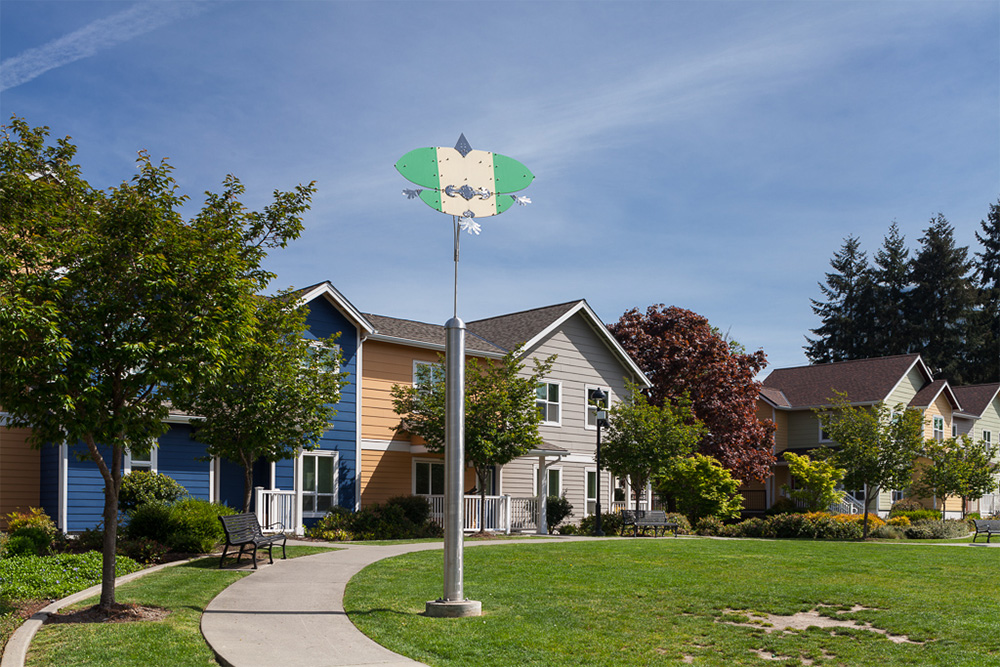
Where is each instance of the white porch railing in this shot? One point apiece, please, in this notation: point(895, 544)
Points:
point(500, 513)
point(523, 514)
point(848, 505)
point(276, 506)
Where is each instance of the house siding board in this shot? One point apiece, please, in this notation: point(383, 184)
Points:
point(48, 487)
point(387, 364)
point(907, 388)
point(384, 475)
point(177, 457)
point(20, 472)
point(85, 496)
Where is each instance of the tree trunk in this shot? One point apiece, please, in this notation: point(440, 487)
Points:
point(112, 484)
point(247, 485)
point(482, 499)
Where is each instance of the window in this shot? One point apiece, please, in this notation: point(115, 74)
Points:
point(434, 373)
point(428, 478)
point(823, 435)
point(591, 491)
point(548, 402)
point(954, 430)
point(897, 495)
point(319, 483)
point(145, 461)
point(555, 481)
point(987, 436)
point(939, 428)
point(592, 406)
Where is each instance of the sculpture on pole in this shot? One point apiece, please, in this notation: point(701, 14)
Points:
point(466, 184)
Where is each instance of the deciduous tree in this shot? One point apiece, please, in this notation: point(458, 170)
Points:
point(501, 417)
point(816, 481)
point(956, 467)
point(686, 359)
point(702, 488)
point(643, 438)
point(275, 392)
point(111, 305)
point(876, 445)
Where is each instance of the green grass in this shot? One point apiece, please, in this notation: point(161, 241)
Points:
point(176, 641)
point(639, 602)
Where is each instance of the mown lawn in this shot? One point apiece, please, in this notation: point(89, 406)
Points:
point(175, 641)
point(639, 602)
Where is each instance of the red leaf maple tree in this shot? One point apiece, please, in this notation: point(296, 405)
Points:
point(682, 355)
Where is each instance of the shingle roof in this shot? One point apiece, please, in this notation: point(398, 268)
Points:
point(975, 398)
point(421, 332)
point(509, 331)
point(776, 396)
point(928, 394)
point(863, 380)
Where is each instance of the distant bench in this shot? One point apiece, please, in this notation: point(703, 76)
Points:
point(243, 530)
point(989, 527)
point(643, 519)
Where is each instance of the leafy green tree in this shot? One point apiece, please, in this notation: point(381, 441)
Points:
point(702, 487)
point(957, 467)
point(941, 305)
point(847, 314)
point(817, 481)
point(876, 445)
point(501, 417)
point(643, 438)
point(985, 366)
point(274, 394)
point(112, 306)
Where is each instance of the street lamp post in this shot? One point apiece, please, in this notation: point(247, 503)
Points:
point(599, 397)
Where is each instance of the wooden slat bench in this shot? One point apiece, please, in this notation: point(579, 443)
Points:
point(989, 527)
point(243, 530)
point(643, 519)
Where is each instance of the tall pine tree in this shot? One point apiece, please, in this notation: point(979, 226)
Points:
point(985, 356)
point(891, 278)
point(848, 310)
point(941, 306)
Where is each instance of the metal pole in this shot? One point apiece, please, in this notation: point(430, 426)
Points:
point(454, 458)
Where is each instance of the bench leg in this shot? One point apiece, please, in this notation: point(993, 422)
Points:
point(224, 550)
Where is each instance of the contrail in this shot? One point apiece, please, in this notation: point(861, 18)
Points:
point(92, 38)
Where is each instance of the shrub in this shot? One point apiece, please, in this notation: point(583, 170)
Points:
point(899, 521)
point(30, 541)
point(683, 525)
point(53, 577)
point(568, 529)
point(919, 515)
point(20, 546)
point(937, 530)
point(194, 525)
point(33, 525)
point(904, 505)
point(557, 508)
point(142, 487)
point(611, 524)
point(874, 521)
point(416, 509)
point(335, 526)
point(149, 521)
point(709, 525)
point(782, 505)
point(142, 550)
point(4, 537)
point(890, 531)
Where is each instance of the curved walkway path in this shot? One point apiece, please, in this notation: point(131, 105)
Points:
point(292, 612)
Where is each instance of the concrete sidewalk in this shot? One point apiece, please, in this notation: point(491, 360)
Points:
point(292, 612)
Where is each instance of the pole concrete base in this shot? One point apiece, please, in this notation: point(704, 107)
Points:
point(453, 608)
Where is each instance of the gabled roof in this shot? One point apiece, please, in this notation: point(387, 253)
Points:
point(930, 392)
point(976, 398)
point(865, 381)
point(327, 290)
point(422, 334)
point(528, 327)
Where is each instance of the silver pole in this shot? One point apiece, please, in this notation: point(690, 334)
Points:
point(454, 458)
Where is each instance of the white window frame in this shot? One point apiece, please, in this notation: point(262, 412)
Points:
point(548, 471)
point(153, 466)
point(430, 481)
point(435, 366)
point(320, 453)
point(937, 433)
point(823, 437)
point(987, 437)
point(547, 383)
point(954, 430)
point(589, 409)
point(588, 500)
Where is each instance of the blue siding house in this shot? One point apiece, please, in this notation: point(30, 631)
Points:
point(72, 490)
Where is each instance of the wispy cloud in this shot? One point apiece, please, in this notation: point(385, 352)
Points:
point(94, 37)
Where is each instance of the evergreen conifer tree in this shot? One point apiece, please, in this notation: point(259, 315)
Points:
point(941, 305)
point(847, 314)
point(985, 365)
point(891, 278)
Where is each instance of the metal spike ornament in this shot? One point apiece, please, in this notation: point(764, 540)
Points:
point(466, 184)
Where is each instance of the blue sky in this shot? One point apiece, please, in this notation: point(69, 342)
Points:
point(709, 155)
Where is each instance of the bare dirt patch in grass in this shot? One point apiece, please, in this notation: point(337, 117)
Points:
point(119, 613)
point(804, 620)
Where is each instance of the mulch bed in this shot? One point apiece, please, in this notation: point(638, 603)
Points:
point(120, 612)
